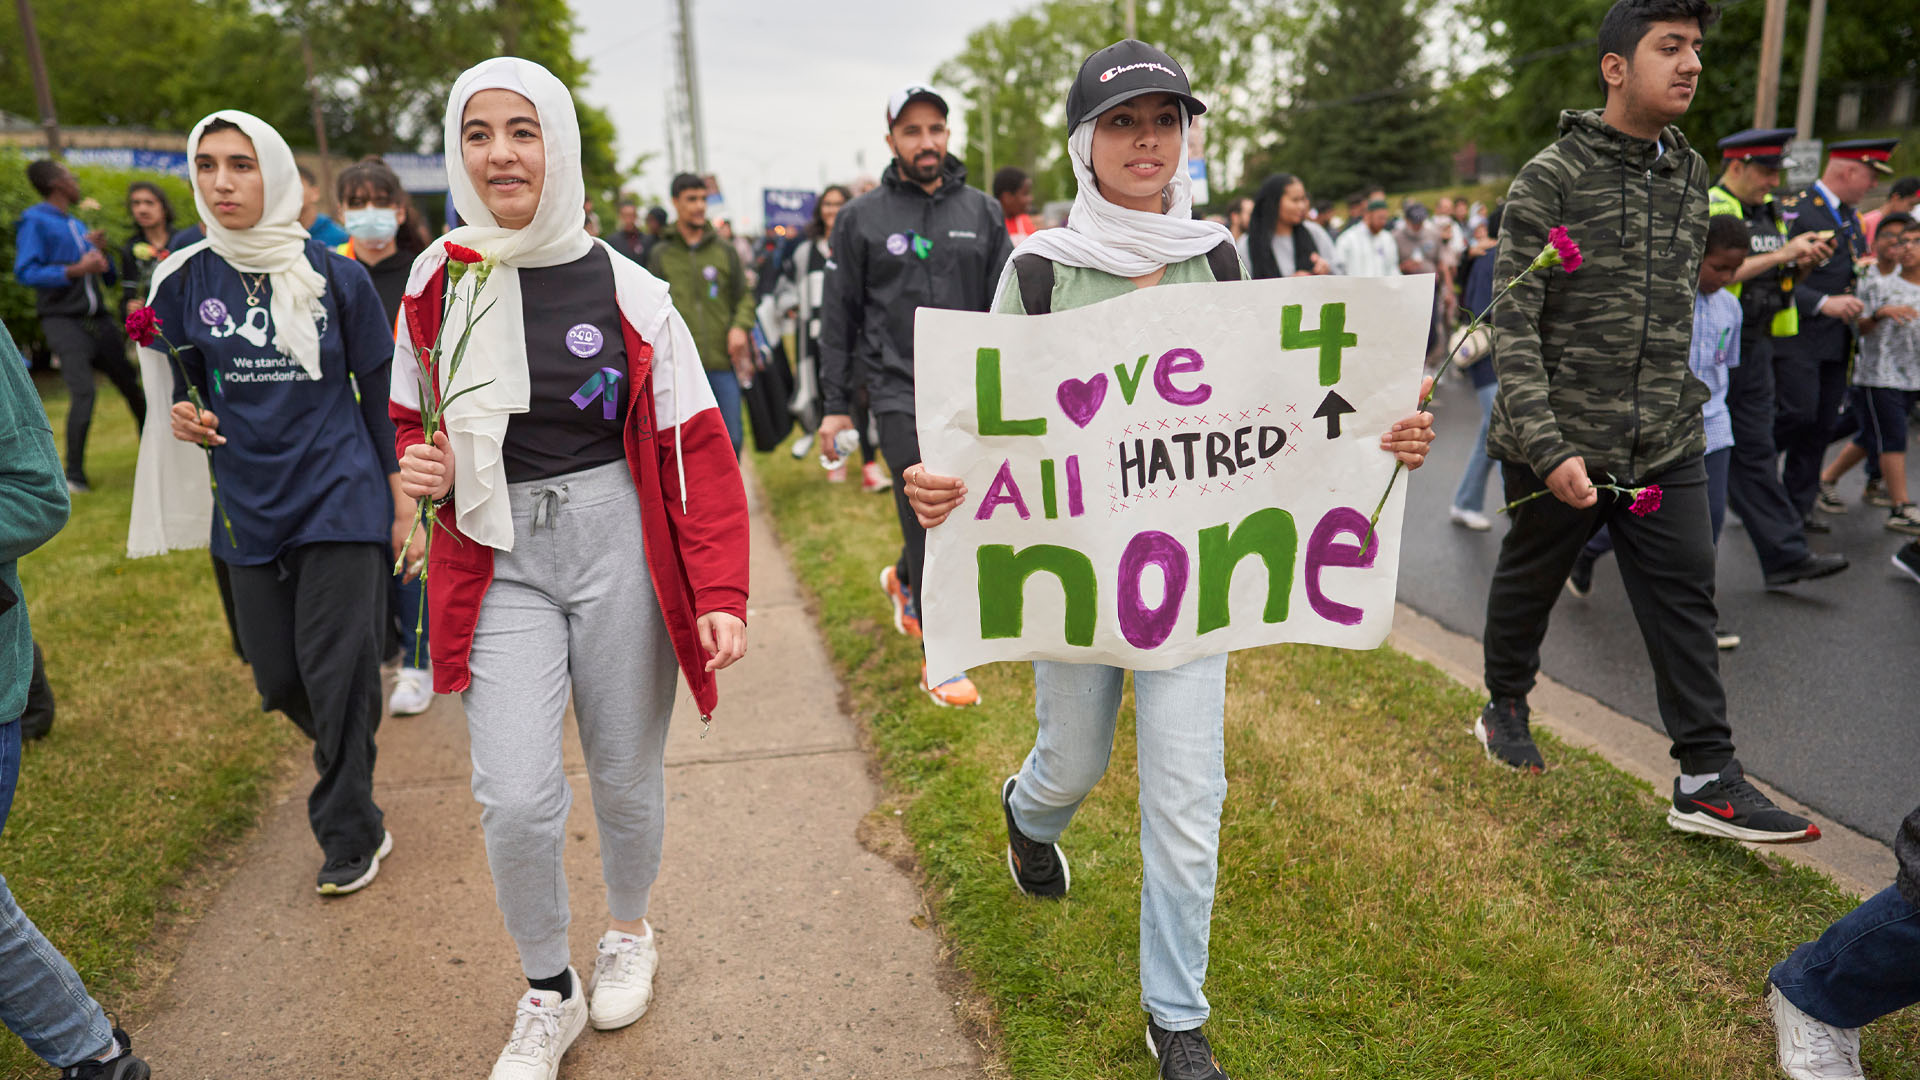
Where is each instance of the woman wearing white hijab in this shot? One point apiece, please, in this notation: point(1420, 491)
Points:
point(1131, 227)
point(598, 534)
point(275, 332)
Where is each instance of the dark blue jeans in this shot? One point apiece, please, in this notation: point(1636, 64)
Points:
point(41, 997)
point(1865, 966)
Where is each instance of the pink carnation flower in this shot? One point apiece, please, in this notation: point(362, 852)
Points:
point(1646, 500)
point(1569, 253)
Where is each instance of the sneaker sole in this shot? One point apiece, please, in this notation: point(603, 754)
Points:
point(1904, 568)
point(1578, 591)
point(1066, 872)
point(391, 711)
point(899, 609)
point(1903, 529)
point(618, 1022)
point(1708, 825)
point(1834, 507)
point(364, 880)
point(1480, 733)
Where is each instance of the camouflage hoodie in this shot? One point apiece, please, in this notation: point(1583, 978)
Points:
point(1594, 363)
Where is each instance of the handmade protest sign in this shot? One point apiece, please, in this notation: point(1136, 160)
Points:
point(1172, 474)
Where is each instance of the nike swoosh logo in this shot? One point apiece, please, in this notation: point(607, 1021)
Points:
point(1726, 813)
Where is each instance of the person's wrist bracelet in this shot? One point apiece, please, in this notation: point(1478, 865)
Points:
point(443, 500)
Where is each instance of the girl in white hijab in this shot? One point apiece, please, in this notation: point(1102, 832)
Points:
point(1131, 227)
point(275, 332)
point(598, 535)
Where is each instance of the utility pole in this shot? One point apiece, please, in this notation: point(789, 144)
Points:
point(319, 118)
point(1132, 25)
point(1766, 98)
point(42, 93)
point(988, 119)
point(1810, 67)
point(690, 85)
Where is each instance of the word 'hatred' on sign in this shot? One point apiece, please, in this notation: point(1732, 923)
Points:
point(1156, 478)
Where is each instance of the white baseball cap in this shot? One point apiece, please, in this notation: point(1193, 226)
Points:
point(909, 94)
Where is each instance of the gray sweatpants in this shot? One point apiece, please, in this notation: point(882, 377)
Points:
point(571, 605)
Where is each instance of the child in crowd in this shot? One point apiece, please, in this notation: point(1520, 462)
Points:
point(1886, 375)
point(1895, 235)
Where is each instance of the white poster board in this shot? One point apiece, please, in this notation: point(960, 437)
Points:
point(1172, 474)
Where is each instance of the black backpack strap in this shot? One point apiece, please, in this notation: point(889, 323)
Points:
point(1035, 273)
point(1224, 261)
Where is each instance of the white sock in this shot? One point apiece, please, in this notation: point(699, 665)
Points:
point(113, 1050)
point(1691, 785)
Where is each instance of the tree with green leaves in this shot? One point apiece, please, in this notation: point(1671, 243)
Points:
point(1363, 108)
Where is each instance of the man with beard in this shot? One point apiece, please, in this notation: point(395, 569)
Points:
point(923, 238)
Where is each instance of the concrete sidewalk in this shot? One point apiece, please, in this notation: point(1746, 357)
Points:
point(787, 949)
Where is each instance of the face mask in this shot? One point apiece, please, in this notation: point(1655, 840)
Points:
point(374, 224)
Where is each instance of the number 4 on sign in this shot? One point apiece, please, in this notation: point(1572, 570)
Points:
point(1331, 338)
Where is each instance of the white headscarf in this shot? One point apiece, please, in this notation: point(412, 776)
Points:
point(276, 245)
point(477, 422)
point(1126, 243)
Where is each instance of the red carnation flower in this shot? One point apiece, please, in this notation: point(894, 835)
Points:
point(143, 326)
point(459, 253)
point(1570, 258)
point(1645, 501)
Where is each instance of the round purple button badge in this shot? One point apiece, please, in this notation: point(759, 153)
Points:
point(897, 244)
point(584, 340)
point(212, 312)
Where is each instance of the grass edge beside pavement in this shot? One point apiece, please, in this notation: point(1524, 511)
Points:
point(1390, 903)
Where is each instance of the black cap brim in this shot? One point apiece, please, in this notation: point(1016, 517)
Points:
point(1194, 105)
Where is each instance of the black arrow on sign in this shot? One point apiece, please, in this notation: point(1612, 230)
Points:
point(1332, 408)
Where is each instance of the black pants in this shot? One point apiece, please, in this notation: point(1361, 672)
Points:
point(84, 345)
point(900, 445)
point(1666, 560)
point(310, 623)
point(1753, 480)
point(1809, 393)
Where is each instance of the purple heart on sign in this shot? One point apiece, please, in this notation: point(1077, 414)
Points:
point(1080, 400)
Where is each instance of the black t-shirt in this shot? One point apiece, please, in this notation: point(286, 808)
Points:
point(390, 281)
point(577, 370)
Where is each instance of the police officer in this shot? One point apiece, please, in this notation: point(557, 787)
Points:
point(1810, 371)
point(1764, 287)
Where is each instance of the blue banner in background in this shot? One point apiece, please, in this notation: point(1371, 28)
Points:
point(791, 207)
point(171, 162)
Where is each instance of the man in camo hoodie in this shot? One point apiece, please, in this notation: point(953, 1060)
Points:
point(1595, 389)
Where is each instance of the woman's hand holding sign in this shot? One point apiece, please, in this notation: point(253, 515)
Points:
point(933, 497)
point(1410, 438)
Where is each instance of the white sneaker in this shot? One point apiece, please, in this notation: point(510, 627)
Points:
point(622, 979)
point(544, 1027)
point(1472, 519)
point(1809, 1049)
point(803, 446)
point(412, 692)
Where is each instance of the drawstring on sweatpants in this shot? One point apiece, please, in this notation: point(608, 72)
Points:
point(547, 502)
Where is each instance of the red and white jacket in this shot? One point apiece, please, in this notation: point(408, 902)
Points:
point(693, 505)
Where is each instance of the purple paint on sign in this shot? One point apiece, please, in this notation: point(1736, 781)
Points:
point(1147, 627)
point(897, 244)
point(584, 340)
point(1323, 551)
point(212, 312)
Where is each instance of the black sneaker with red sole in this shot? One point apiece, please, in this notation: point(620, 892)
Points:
point(1732, 808)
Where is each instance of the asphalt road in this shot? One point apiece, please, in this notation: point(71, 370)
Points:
point(1823, 693)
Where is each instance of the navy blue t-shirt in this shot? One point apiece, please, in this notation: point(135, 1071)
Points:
point(305, 462)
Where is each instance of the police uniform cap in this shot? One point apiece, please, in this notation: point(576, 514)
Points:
point(1870, 152)
point(1765, 147)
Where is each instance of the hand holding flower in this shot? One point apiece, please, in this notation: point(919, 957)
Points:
point(1409, 439)
point(195, 425)
point(426, 472)
point(1569, 483)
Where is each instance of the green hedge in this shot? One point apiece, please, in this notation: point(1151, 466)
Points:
point(106, 186)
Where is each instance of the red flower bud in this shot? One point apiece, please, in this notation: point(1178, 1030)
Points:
point(143, 326)
point(1569, 257)
point(458, 253)
point(1645, 501)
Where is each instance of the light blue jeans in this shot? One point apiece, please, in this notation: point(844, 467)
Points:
point(726, 394)
point(41, 997)
point(1473, 483)
point(1181, 748)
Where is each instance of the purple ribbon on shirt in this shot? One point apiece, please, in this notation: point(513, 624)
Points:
point(603, 384)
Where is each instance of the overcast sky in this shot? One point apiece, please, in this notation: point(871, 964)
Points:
point(792, 91)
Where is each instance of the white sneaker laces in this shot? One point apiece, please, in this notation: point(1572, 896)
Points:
point(534, 1029)
point(615, 965)
point(1829, 1054)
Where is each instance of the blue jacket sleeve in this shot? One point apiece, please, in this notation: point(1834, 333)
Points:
point(33, 263)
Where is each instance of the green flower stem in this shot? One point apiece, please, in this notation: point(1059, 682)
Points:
point(1631, 493)
point(1478, 320)
point(193, 395)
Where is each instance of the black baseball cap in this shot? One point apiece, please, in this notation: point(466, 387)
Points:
point(1123, 71)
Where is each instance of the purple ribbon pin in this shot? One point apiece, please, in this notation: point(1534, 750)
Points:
point(603, 384)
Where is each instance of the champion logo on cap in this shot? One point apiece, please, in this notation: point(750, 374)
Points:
point(1108, 75)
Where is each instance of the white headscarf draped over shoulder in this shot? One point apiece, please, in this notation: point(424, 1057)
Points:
point(1100, 235)
point(275, 246)
point(477, 422)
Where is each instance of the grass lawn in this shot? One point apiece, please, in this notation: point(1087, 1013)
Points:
point(159, 755)
point(1390, 904)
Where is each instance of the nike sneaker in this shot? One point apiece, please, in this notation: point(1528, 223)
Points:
point(1731, 807)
